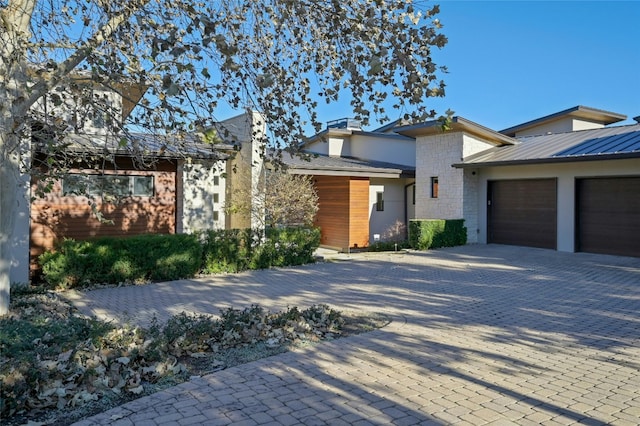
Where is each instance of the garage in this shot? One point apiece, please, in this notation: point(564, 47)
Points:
point(522, 212)
point(608, 215)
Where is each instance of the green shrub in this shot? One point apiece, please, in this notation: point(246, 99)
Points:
point(111, 260)
point(238, 250)
point(435, 233)
point(288, 246)
point(228, 250)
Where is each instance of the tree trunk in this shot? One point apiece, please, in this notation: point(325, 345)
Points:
point(9, 187)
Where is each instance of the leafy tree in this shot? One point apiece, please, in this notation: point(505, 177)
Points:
point(286, 200)
point(279, 57)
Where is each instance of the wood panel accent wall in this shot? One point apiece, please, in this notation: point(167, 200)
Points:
point(343, 214)
point(359, 211)
point(57, 216)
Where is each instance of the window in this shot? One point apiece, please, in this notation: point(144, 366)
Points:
point(414, 194)
point(98, 120)
point(108, 185)
point(434, 187)
point(216, 215)
point(143, 186)
point(379, 201)
point(216, 180)
point(216, 198)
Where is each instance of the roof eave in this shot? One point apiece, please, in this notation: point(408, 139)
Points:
point(458, 124)
point(586, 113)
point(347, 171)
point(550, 160)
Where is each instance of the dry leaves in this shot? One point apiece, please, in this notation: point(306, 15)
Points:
point(60, 373)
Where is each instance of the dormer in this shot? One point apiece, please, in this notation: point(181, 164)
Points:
point(569, 120)
point(86, 106)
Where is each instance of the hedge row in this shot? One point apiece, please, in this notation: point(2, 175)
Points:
point(141, 258)
point(434, 233)
point(240, 249)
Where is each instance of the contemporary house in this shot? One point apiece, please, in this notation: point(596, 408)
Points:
point(140, 183)
point(567, 181)
point(364, 181)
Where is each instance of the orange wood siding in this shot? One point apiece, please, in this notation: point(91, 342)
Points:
point(57, 216)
point(333, 210)
point(343, 214)
point(359, 212)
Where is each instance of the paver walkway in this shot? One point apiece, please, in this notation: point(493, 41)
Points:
point(481, 335)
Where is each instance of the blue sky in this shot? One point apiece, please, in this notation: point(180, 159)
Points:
point(513, 61)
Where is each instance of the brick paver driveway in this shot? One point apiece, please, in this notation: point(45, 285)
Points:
point(481, 334)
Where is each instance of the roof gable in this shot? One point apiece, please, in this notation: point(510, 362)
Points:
point(457, 124)
point(578, 113)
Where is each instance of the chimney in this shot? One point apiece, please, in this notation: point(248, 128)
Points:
point(637, 119)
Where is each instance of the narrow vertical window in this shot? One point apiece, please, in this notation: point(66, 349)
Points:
point(216, 180)
point(216, 198)
point(379, 201)
point(414, 194)
point(434, 187)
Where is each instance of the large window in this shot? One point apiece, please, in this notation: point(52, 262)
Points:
point(108, 185)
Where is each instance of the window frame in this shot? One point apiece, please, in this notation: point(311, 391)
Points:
point(435, 187)
point(99, 185)
point(379, 201)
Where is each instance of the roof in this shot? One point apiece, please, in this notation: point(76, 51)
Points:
point(459, 124)
point(148, 145)
point(585, 145)
point(582, 112)
point(345, 166)
point(389, 126)
point(341, 131)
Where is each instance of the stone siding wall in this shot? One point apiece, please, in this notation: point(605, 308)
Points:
point(458, 189)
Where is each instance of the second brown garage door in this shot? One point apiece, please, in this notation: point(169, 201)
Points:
point(608, 215)
point(522, 212)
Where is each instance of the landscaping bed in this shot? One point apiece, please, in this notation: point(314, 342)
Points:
point(58, 366)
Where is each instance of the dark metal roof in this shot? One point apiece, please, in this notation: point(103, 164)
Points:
point(147, 145)
point(585, 145)
point(346, 166)
point(587, 113)
point(624, 142)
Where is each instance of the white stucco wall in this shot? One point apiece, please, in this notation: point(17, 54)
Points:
point(384, 148)
point(110, 102)
point(383, 222)
point(197, 193)
point(387, 148)
point(566, 124)
point(470, 206)
point(339, 146)
point(411, 205)
point(566, 175)
point(249, 130)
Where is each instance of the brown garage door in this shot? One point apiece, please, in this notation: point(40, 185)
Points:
point(608, 215)
point(522, 212)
